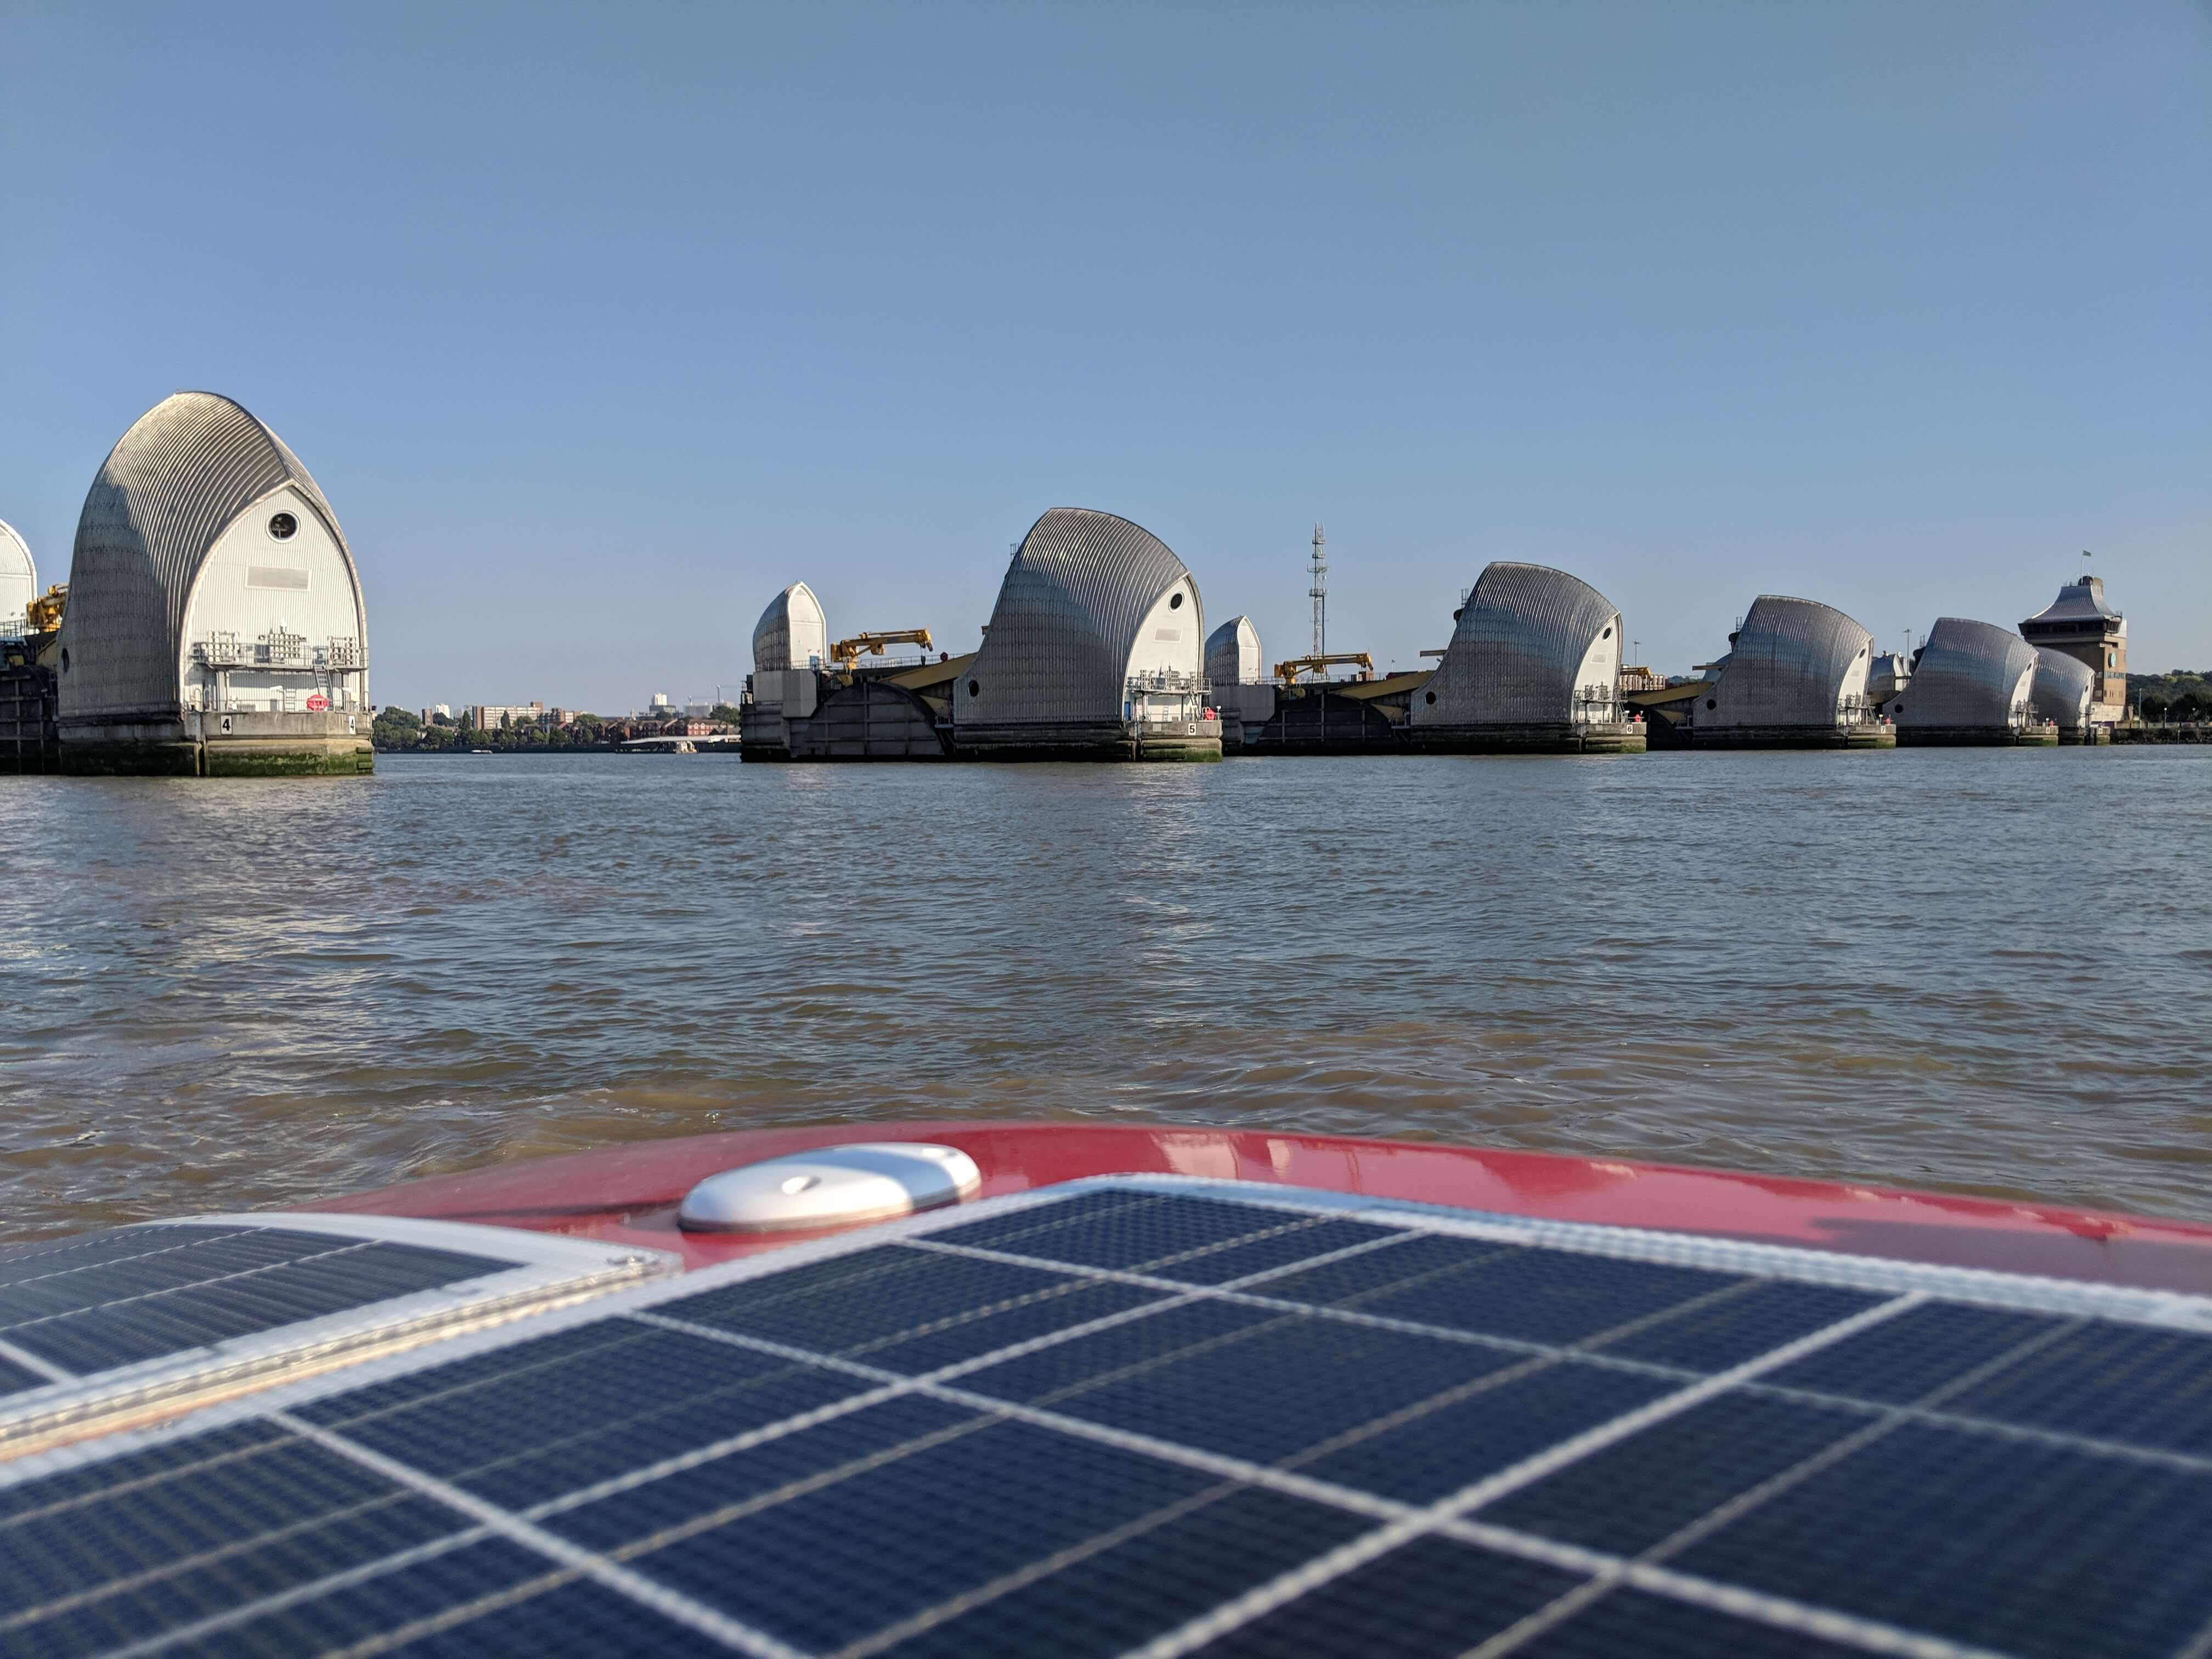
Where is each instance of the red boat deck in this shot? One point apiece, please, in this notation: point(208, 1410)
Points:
point(629, 1194)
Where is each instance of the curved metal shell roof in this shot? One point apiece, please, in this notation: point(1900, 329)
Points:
point(1970, 674)
point(19, 577)
point(1232, 653)
point(1522, 637)
point(2077, 602)
point(15, 553)
point(168, 490)
point(1792, 664)
point(1068, 618)
point(792, 626)
point(2062, 688)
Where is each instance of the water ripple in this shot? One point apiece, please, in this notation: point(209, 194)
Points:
point(1981, 971)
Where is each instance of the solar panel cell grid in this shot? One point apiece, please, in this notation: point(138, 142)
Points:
point(223, 1531)
point(914, 1310)
point(556, 1424)
point(848, 1557)
point(487, 1597)
point(1270, 1390)
point(1429, 1598)
point(1919, 1350)
point(19, 1263)
point(1436, 1449)
point(14, 1378)
point(1638, 1493)
point(1415, 1259)
point(1627, 1624)
point(2032, 1549)
point(1547, 1296)
point(1446, 1440)
point(1269, 1251)
point(1720, 1332)
point(135, 1294)
point(441, 1594)
point(759, 1474)
point(1159, 1572)
point(2119, 1382)
point(577, 1619)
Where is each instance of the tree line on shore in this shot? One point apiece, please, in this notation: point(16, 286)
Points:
point(2182, 694)
point(397, 730)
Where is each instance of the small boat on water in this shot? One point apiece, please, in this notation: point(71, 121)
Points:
point(975, 1389)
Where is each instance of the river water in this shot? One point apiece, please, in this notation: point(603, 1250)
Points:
point(1982, 970)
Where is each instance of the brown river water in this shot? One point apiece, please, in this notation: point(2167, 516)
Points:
point(1989, 971)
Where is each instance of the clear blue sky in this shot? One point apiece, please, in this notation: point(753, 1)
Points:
point(599, 325)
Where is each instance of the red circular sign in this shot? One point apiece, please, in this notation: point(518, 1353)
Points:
point(317, 702)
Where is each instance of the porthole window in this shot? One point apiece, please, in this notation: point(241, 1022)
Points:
point(1430, 695)
point(1712, 703)
point(1176, 604)
point(975, 688)
point(1607, 634)
point(283, 526)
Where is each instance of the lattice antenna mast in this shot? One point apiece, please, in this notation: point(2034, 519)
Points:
point(1320, 592)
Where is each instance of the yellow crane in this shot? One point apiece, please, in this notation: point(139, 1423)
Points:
point(1288, 673)
point(846, 653)
point(44, 616)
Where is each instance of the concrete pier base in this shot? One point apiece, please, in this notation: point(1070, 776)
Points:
point(1091, 740)
point(1542, 738)
point(1794, 737)
point(233, 745)
point(1975, 737)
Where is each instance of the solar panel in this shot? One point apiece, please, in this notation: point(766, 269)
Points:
point(137, 1319)
point(1157, 1417)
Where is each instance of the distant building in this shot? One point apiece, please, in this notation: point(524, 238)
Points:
point(488, 717)
point(214, 623)
point(28, 667)
point(1891, 672)
point(1533, 663)
point(19, 582)
point(1238, 683)
point(1794, 678)
point(790, 647)
point(659, 701)
point(1670, 710)
point(1232, 655)
point(1096, 649)
point(791, 632)
point(2080, 624)
point(2063, 693)
point(1973, 682)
